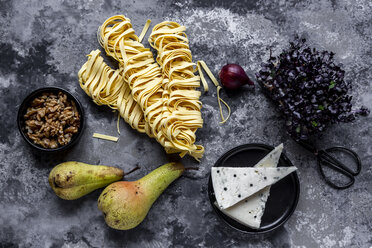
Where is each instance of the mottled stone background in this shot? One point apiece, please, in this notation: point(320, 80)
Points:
point(44, 43)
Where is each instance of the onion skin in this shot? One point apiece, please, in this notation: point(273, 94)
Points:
point(233, 76)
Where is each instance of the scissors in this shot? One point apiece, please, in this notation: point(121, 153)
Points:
point(325, 158)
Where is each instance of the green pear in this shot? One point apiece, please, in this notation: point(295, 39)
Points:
point(72, 180)
point(125, 204)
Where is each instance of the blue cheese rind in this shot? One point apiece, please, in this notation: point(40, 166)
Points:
point(249, 211)
point(234, 184)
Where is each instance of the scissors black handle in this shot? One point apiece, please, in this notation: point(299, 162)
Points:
point(326, 159)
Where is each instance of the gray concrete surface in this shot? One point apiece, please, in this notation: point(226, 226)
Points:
point(44, 43)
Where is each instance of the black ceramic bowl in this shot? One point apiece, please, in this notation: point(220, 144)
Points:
point(26, 103)
point(283, 197)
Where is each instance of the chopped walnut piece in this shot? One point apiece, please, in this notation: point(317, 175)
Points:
point(41, 113)
point(71, 130)
point(30, 112)
point(37, 102)
point(53, 144)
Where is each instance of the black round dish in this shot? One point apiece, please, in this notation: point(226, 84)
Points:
point(283, 197)
point(23, 108)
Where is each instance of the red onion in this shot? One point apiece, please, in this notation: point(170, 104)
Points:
point(233, 77)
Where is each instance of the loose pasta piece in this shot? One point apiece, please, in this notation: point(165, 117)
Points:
point(182, 115)
point(144, 30)
point(201, 64)
point(105, 137)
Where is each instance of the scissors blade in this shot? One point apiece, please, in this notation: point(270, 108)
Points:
point(335, 163)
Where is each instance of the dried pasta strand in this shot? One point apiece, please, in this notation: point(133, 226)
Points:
point(144, 30)
point(202, 64)
point(118, 123)
point(182, 115)
point(105, 137)
point(219, 104)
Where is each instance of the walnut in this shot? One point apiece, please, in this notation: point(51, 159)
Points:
point(52, 120)
point(71, 130)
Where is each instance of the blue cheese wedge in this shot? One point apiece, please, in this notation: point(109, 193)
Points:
point(234, 184)
point(249, 211)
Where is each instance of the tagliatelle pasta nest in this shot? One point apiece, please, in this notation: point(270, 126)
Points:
point(161, 101)
point(106, 87)
point(182, 116)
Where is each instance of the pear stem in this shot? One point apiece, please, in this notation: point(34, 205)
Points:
point(132, 170)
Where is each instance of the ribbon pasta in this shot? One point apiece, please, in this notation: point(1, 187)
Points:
point(160, 101)
point(182, 115)
point(140, 72)
point(106, 87)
